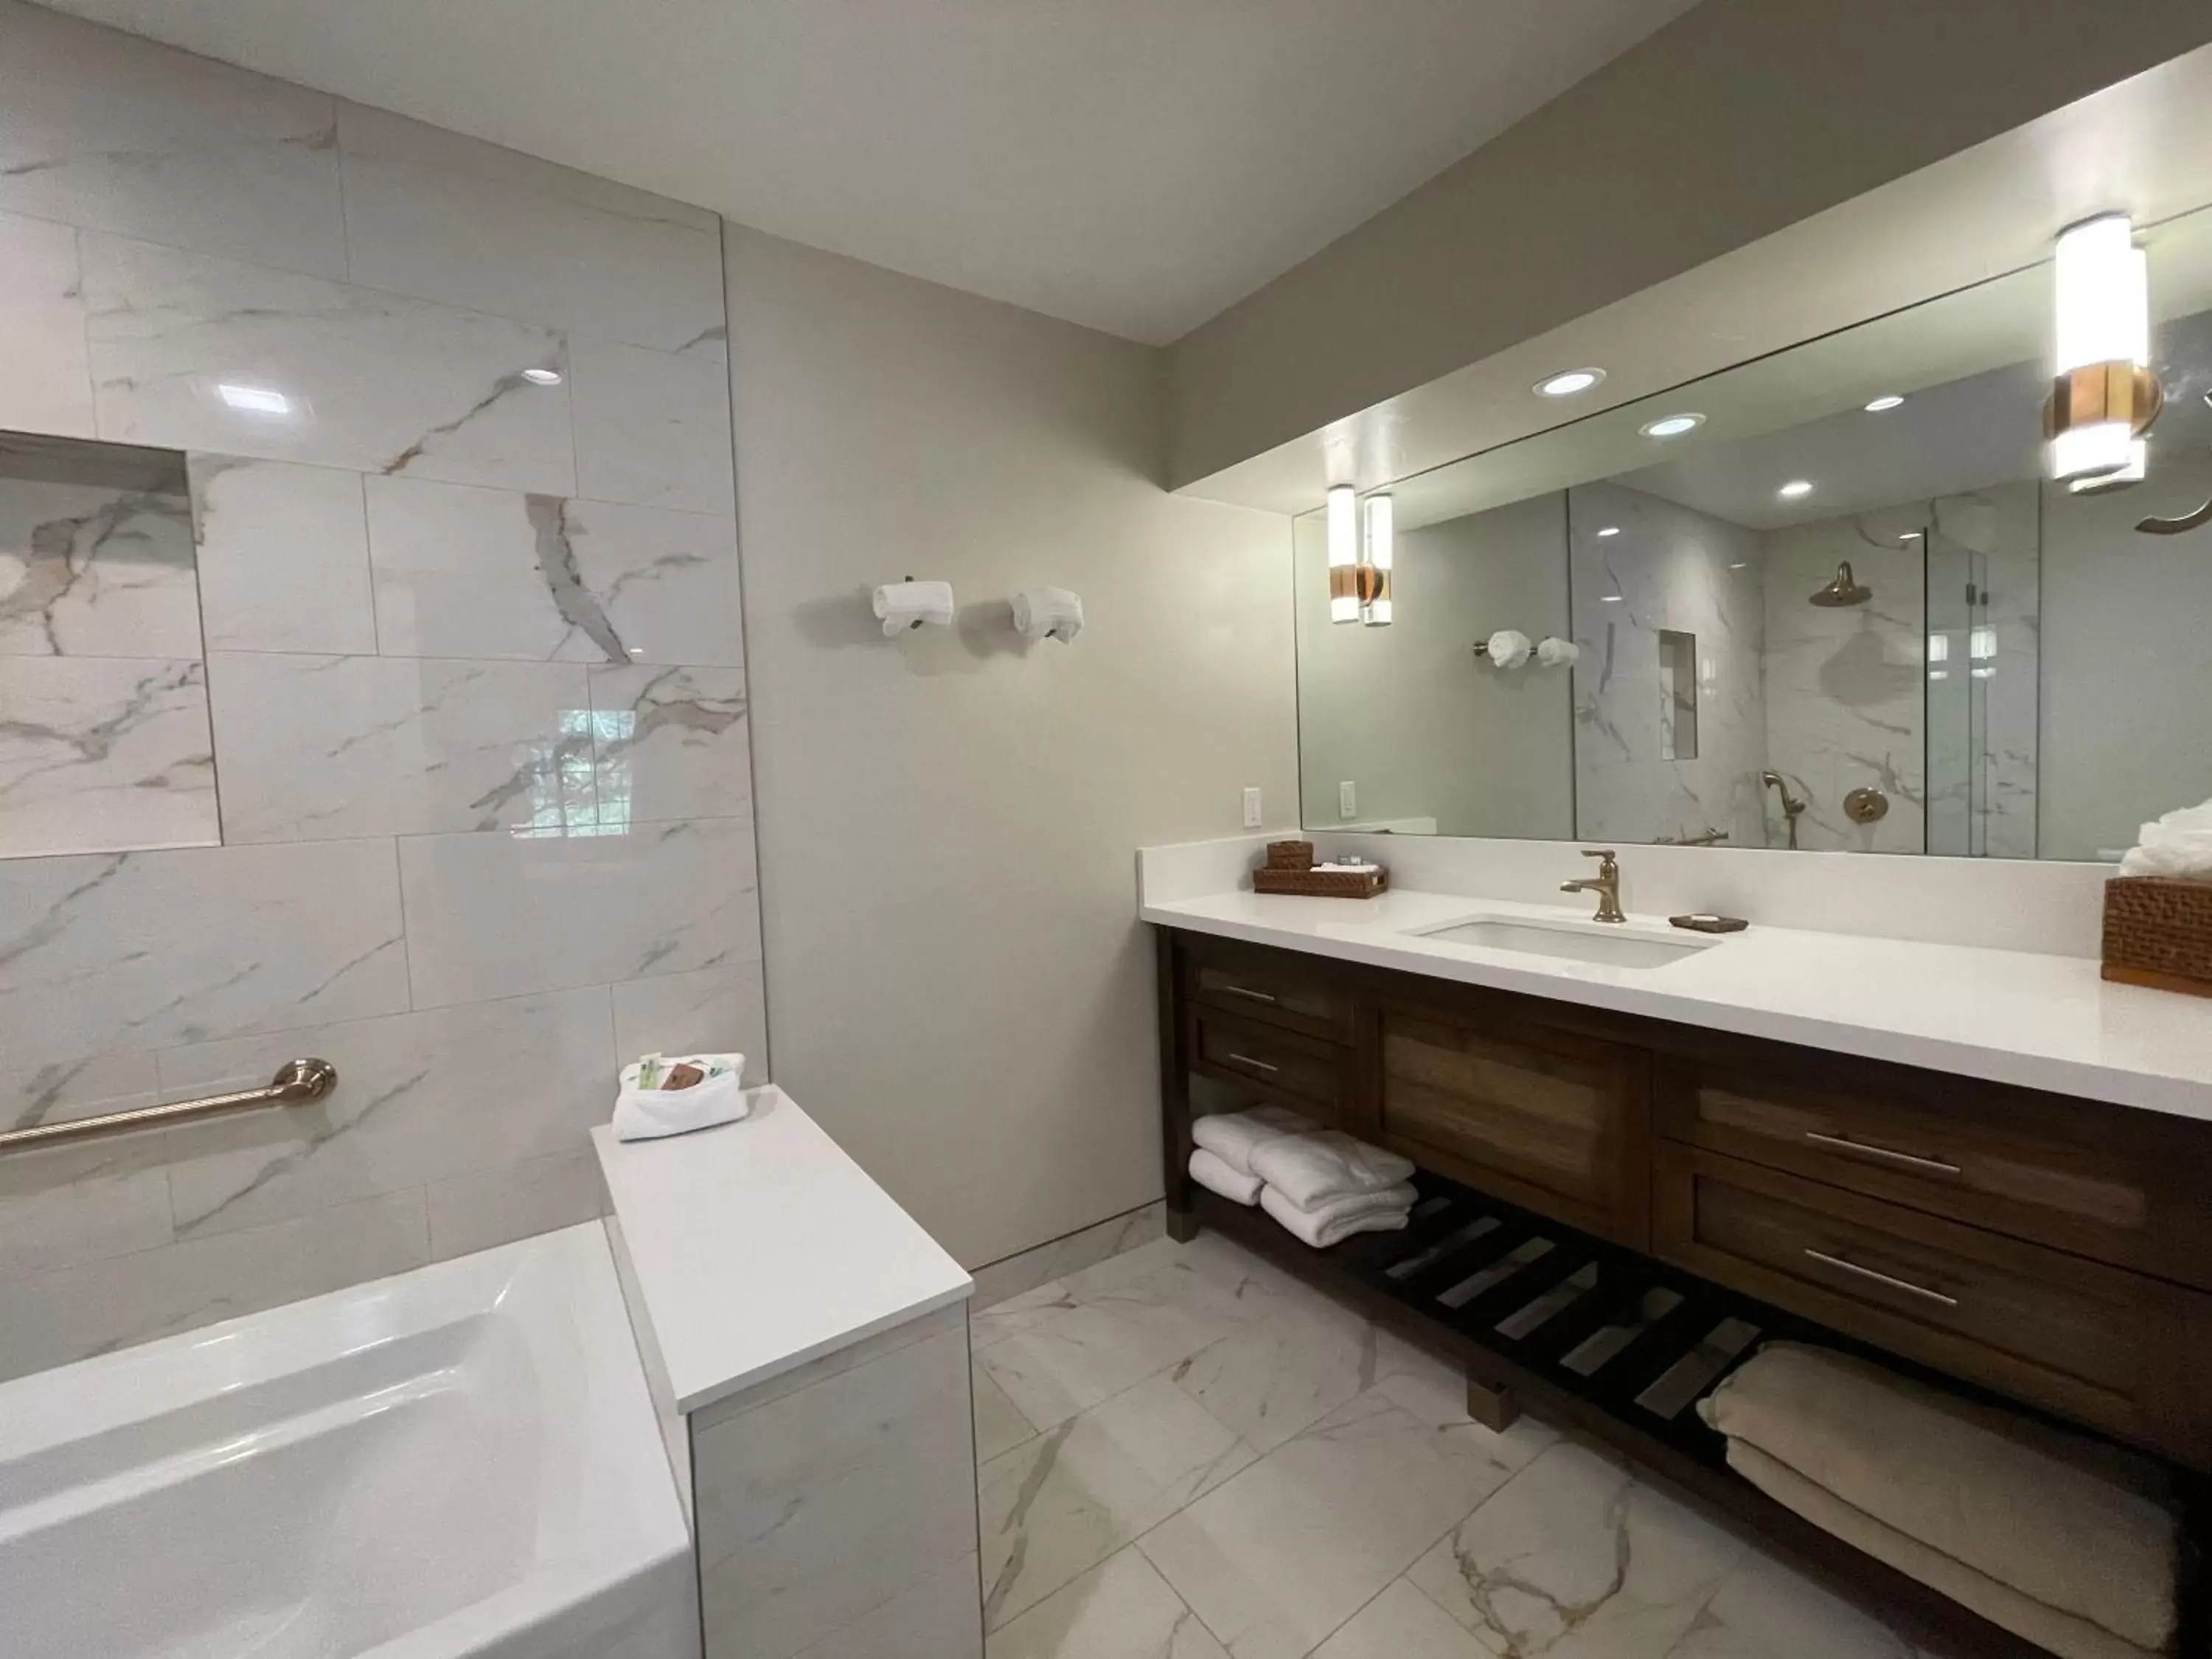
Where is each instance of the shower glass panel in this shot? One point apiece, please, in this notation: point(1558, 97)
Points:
point(1960, 661)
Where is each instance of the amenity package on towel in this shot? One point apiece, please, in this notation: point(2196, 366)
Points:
point(1335, 1222)
point(2079, 1527)
point(660, 1096)
point(1212, 1172)
point(1231, 1136)
point(1310, 1169)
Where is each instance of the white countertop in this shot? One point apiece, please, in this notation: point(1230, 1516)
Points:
point(2044, 1022)
point(759, 1245)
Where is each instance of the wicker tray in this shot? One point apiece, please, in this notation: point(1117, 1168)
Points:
point(2157, 931)
point(1322, 884)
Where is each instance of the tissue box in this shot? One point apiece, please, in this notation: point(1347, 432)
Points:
point(2157, 931)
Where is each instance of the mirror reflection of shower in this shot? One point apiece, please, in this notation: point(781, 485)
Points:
point(1792, 805)
point(1844, 590)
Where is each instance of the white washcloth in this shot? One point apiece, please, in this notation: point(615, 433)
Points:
point(1310, 1169)
point(1210, 1171)
point(1556, 652)
point(649, 1114)
point(1322, 1233)
point(2178, 844)
point(1231, 1136)
point(1509, 647)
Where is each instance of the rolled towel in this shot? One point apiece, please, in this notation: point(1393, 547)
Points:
point(2000, 1604)
point(1210, 1171)
point(1322, 1233)
point(2178, 844)
point(1308, 1169)
point(1231, 1136)
point(1509, 647)
point(1556, 652)
point(2071, 1523)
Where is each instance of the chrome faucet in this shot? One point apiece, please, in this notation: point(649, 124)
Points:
point(1606, 884)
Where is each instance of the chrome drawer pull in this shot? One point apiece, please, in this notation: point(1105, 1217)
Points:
point(1256, 1064)
point(1934, 1163)
point(1239, 991)
point(1905, 1285)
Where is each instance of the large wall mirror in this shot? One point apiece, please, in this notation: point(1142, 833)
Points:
point(1826, 599)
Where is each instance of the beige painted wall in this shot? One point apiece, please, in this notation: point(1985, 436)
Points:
point(1638, 174)
point(958, 985)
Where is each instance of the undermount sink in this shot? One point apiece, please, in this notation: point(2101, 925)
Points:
point(1570, 941)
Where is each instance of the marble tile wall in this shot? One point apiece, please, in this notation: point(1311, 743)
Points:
point(468, 587)
point(1666, 567)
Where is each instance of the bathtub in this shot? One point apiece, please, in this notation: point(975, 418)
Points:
point(459, 1461)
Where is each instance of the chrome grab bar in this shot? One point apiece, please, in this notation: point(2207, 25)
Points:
point(296, 1083)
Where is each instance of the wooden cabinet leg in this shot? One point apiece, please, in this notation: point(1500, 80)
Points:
point(1182, 1226)
point(1493, 1406)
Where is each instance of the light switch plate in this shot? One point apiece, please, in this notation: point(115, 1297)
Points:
point(1347, 799)
point(1251, 808)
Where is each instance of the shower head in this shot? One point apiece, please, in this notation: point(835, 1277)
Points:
point(1844, 590)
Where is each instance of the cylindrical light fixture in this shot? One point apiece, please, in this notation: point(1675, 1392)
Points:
point(1343, 553)
point(1382, 533)
point(2105, 395)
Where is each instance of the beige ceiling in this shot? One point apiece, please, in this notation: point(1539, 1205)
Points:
point(1134, 165)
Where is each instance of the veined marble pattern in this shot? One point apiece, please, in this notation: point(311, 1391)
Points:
point(1673, 568)
point(1384, 1526)
point(284, 557)
point(48, 385)
point(88, 570)
point(482, 573)
point(711, 1011)
point(85, 1087)
point(1086, 1246)
point(112, 132)
point(368, 380)
point(104, 754)
point(672, 742)
point(444, 217)
point(652, 427)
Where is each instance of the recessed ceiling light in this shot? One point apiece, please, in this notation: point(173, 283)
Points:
point(1739, 564)
point(1673, 426)
point(1610, 530)
point(254, 399)
point(1570, 382)
point(1888, 400)
point(1794, 488)
point(1609, 599)
point(541, 376)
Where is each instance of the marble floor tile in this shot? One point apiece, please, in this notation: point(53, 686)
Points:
point(1000, 1427)
point(95, 570)
point(1086, 1246)
point(1763, 1610)
point(651, 429)
point(1121, 1609)
point(48, 385)
point(103, 755)
point(713, 1011)
point(444, 217)
point(1577, 1559)
point(1009, 1315)
point(284, 557)
point(112, 133)
point(1060, 1504)
point(1401, 1623)
point(318, 371)
point(324, 748)
point(1278, 1558)
point(672, 742)
point(1270, 1380)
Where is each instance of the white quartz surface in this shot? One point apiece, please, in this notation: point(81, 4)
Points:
point(2016, 1016)
point(759, 1245)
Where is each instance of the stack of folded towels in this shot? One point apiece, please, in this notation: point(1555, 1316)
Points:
point(2068, 1542)
point(1321, 1185)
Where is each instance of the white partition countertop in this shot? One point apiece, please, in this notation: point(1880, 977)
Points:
point(759, 1245)
point(2009, 1016)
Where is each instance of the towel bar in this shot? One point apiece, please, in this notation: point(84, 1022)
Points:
point(296, 1083)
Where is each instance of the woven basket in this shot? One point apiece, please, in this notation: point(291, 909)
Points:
point(2157, 931)
point(1321, 884)
point(1289, 855)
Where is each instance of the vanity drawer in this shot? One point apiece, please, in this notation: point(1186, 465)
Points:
point(1273, 986)
point(1551, 1120)
point(2099, 1182)
point(2111, 1348)
point(1303, 1072)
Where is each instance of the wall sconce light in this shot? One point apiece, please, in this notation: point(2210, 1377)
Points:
point(1375, 588)
point(1343, 553)
point(2104, 395)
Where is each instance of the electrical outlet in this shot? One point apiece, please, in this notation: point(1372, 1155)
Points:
point(1251, 808)
point(1347, 799)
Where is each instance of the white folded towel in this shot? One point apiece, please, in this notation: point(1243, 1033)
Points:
point(1310, 1169)
point(2178, 844)
point(1231, 1136)
point(1212, 1172)
point(1509, 647)
point(1322, 1231)
point(648, 1113)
